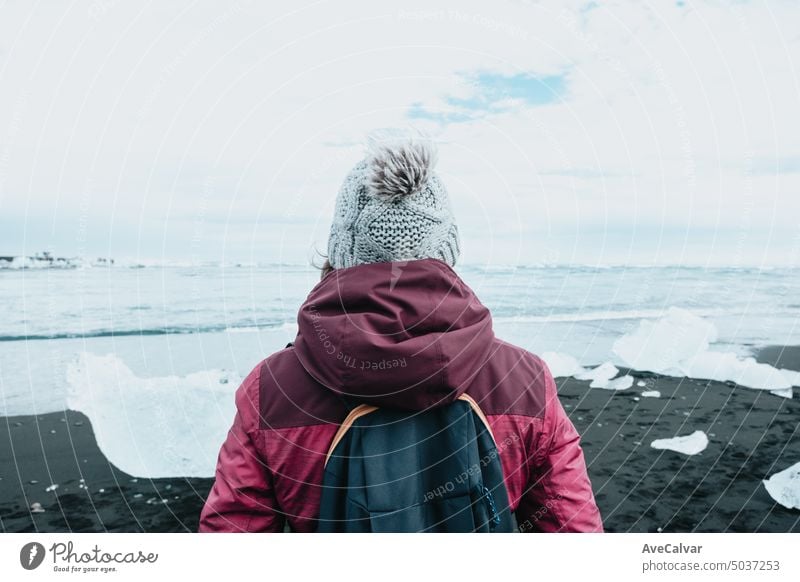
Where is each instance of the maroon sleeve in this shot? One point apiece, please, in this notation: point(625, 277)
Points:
point(242, 498)
point(559, 494)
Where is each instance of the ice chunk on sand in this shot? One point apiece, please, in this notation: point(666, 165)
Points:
point(154, 427)
point(724, 366)
point(688, 445)
point(792, 377)
point(600, 375)
point(677, 344)
point(651, 394)
point(784, 487)
point(562, 365)
point(621, 383)
point(656, 346)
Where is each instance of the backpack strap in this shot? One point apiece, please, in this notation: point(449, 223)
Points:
point(364, 409)
point(355, 414)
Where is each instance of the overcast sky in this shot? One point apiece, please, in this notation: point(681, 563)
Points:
point(569, 132)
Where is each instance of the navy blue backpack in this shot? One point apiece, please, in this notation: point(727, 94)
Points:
point(433, 471)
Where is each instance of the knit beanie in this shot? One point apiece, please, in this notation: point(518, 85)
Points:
point(393, 207)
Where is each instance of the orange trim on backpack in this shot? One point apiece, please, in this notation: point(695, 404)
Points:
point(471, 401)
point(355, 414)
point(364, 409)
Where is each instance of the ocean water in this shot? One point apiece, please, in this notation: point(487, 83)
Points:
point(152, 355)
point(173, 321)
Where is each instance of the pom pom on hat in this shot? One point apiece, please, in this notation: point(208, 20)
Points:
point(400, 164)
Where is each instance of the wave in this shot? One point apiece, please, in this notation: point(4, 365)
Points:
point(594, 316)
point(496, 268)
point(290, 325)
point(282, 325)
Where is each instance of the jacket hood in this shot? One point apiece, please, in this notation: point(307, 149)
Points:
point(407, 335)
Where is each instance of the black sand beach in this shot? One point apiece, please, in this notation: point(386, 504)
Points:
point(752, 435)
point(787, 357)
point(60, 448)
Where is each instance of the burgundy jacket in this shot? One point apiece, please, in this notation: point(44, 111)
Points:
point(407, 335)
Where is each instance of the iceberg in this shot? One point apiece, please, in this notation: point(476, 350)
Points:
point(784, 393)
point(792, 377)
point(651, 394)
point(621, 383)
point(169, 426)
point(691, 444)
point(678, 345)
point(784, 487)
point(726, 366)
point(561, 365)
point(600, 376)
point(657, 346)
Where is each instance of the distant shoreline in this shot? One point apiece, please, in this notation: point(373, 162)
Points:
point(46, 260)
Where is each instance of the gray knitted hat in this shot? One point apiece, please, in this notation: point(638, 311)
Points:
point(392, 207)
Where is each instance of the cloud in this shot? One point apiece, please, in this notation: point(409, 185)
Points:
point(491, 93)
point(122, 125)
